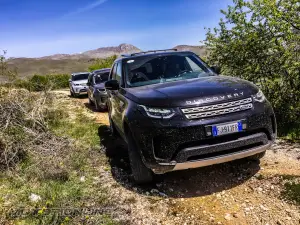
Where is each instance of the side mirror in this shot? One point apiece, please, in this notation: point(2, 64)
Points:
point(70, 80)
point(216, 69)
point(112, 85)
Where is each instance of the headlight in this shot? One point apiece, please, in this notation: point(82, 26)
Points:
point(259, 97)
point(160, 113)
point(76, 84)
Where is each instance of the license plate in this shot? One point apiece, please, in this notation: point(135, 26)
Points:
point(228, 128)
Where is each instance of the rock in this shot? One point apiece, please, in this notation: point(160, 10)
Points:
point(34, 197)
point(227, 216)
point(211, 219)
point(162, 194)
point(154, 191)
point(159, 185)
point(235, 215)
point(263, 208)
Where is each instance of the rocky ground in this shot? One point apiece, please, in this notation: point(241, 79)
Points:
point(239, 192)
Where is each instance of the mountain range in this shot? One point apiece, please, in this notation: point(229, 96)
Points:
point(68, 63)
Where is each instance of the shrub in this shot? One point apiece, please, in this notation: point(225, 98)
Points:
point(24, 119)
point(44, 82)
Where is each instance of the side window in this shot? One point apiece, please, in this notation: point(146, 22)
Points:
point(90, 80)
point(112, 75)
point(104, 76)
point(119, 72)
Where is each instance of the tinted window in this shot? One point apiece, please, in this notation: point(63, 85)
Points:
point(119, 72)
point(82, 76)
point(90, 78)
point(101, 77)
point(113, 72)
point(166, 68)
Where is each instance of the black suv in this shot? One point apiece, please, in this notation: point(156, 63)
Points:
point(96, 91)
point(175, 112)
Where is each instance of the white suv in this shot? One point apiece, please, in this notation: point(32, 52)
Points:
point(78, 83)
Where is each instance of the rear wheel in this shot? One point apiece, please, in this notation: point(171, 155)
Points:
point(140, 172)
point(112, 127)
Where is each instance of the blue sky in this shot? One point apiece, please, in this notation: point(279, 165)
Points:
point(33, 28)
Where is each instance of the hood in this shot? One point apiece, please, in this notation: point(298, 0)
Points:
point(100, 86)
point(192, 92)
point(80, 82)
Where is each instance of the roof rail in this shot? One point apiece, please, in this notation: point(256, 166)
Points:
point(126, 55)
point(154, 51)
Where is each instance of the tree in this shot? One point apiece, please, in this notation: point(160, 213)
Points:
point(259, 40)
point(5, 72)
point(103, 63)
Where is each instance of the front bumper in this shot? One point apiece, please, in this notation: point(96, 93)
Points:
point(80, 89)
point(101, 98)
point(222, 158)
point(179, 143)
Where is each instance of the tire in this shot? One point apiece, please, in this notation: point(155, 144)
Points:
point(99, 108)
point(90, 102)
point(141, 174)
point(112, 128)
point(71, 93)
point(257, 156)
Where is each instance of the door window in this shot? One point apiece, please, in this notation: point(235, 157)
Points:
point(119, 73)
point(112, 75)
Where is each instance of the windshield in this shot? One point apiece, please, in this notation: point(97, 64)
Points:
point(101, 77)
point(82, 76)
point(159, 69)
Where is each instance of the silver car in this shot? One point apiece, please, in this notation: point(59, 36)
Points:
point(78, 83)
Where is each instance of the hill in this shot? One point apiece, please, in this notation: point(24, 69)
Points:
point(199, 50)
point(68, 63)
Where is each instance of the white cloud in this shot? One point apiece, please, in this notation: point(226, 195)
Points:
point(86, 8)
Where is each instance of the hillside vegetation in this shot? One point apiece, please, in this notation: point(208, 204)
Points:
point(66, 63)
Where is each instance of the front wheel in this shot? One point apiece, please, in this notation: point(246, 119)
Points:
point(90, 102)
point(140, 172)
point(99, 108)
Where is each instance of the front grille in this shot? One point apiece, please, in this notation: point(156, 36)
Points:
point(218, 109)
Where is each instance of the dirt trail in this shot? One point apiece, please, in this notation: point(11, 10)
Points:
point(239, 192)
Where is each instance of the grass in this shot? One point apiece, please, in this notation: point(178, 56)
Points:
point(28, 67)
point(58, 182)
point(292, 192)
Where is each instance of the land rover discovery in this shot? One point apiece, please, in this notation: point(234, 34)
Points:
point(175, 112)
point(96, 91)
point(78, 83)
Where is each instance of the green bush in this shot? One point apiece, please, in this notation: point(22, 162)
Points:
point(259, 41)
point(44, 82)
point(103, 63)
